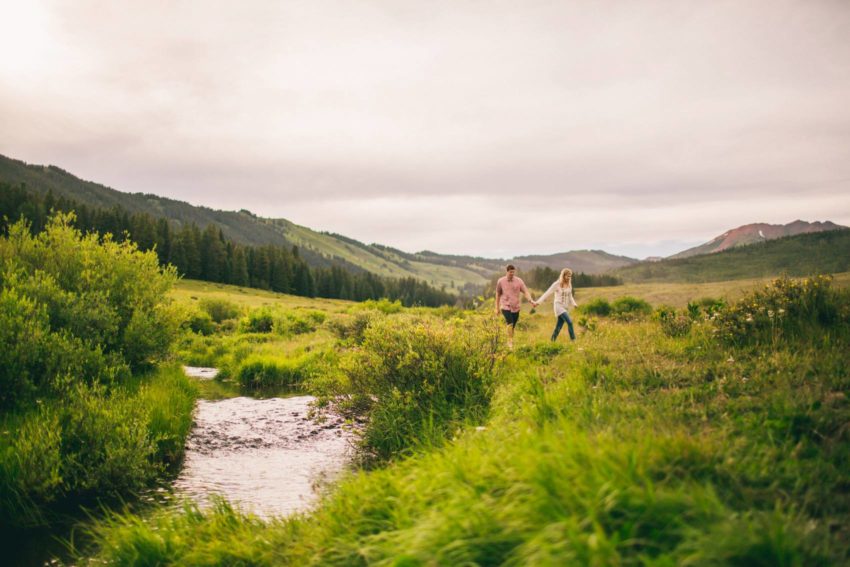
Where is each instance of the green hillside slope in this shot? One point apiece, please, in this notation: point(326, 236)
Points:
point(587, 261)
point(823, 252)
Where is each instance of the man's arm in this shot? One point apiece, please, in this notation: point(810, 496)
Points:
point(498, 297)
point(528, 295)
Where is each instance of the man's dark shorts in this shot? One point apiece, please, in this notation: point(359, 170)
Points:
point(510, 317)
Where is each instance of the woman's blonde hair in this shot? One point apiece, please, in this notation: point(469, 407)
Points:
point(566, 276)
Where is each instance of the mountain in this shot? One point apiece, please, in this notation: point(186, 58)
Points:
point(800, 255)
point(587, 261)
point(757, 232)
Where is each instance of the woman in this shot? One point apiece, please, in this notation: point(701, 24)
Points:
point(564, 301)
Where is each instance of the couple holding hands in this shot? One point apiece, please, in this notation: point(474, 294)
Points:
point(508, 290)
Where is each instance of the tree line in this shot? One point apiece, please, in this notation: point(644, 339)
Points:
point(206, 254)
point(542, 277)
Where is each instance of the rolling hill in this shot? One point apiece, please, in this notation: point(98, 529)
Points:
point(456, 272)
point(800, 255)
point(755, 233)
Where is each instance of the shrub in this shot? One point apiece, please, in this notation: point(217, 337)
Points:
point(79, 306)
point(220, 309)
point(352, 327)
point(599, 307)
point(416, 379)
point(258, 321)
point(673, 323)
point(782, 310)
point(293, 323)
point(200, 322)
point(629, 308)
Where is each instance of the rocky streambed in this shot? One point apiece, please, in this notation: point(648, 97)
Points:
point(267, 456)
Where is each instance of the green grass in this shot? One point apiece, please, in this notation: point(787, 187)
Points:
point(627, 447)
point(93, 444)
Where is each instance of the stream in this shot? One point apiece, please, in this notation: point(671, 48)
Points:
point(265, 455)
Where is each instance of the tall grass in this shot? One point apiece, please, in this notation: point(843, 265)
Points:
point(631, 447)
point(94, 443)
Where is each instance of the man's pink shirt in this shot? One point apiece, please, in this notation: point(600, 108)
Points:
point(511, 290)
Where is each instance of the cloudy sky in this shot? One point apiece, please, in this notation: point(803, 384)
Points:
point(491, 128)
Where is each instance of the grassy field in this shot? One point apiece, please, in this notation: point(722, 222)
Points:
point(716, 441)
point(191, 291)
point(679, 294)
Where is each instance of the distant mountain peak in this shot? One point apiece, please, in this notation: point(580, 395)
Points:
point(757, 232)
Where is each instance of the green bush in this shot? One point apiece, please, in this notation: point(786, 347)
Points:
point(785, 309)
point(629, 308)
point(673, 323)
point(351, 328)
point(220, 310)
point(417, 379)
point(258, 321)
point(200, 322)
point(291, 323)
point(599, 307)
point(75, 307)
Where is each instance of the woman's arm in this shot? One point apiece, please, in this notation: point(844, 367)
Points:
point(549, 292)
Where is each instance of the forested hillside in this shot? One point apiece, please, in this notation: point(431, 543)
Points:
point(804, 254)
point(207, 254)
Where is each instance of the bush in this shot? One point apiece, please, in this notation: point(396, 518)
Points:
point(76, 307)
point(784, 309)
point(258, 321)
point(293, 323)
point(220, 309)
point(599, 307)
point(417, 379)
point(629, 308)
point(200, 322)
point(673, 323)
point(352, 328)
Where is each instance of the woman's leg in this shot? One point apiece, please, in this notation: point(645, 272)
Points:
point(569, 322)
point(558, 325)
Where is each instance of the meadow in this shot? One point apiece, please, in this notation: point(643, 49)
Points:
point(705, 434)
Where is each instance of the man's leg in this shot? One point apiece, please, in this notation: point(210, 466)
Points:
point(511, 319)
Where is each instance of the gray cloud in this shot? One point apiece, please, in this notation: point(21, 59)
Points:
point(632, 126)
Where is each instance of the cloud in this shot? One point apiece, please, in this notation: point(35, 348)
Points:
point(352, 116)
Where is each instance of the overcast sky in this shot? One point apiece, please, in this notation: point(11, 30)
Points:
point(490, 128)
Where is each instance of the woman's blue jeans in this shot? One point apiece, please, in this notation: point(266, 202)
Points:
point(564, 318)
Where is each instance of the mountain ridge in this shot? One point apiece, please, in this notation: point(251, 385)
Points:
point(457, 272)
point(752, 233)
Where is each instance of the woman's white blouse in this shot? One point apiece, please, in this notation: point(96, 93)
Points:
point(564, 300)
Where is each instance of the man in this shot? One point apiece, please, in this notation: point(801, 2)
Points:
point(508, 300)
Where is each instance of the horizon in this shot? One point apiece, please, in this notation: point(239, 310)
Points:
point(640, 130)
point(427, 250)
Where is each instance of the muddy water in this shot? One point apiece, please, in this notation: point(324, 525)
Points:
point(265, 455)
